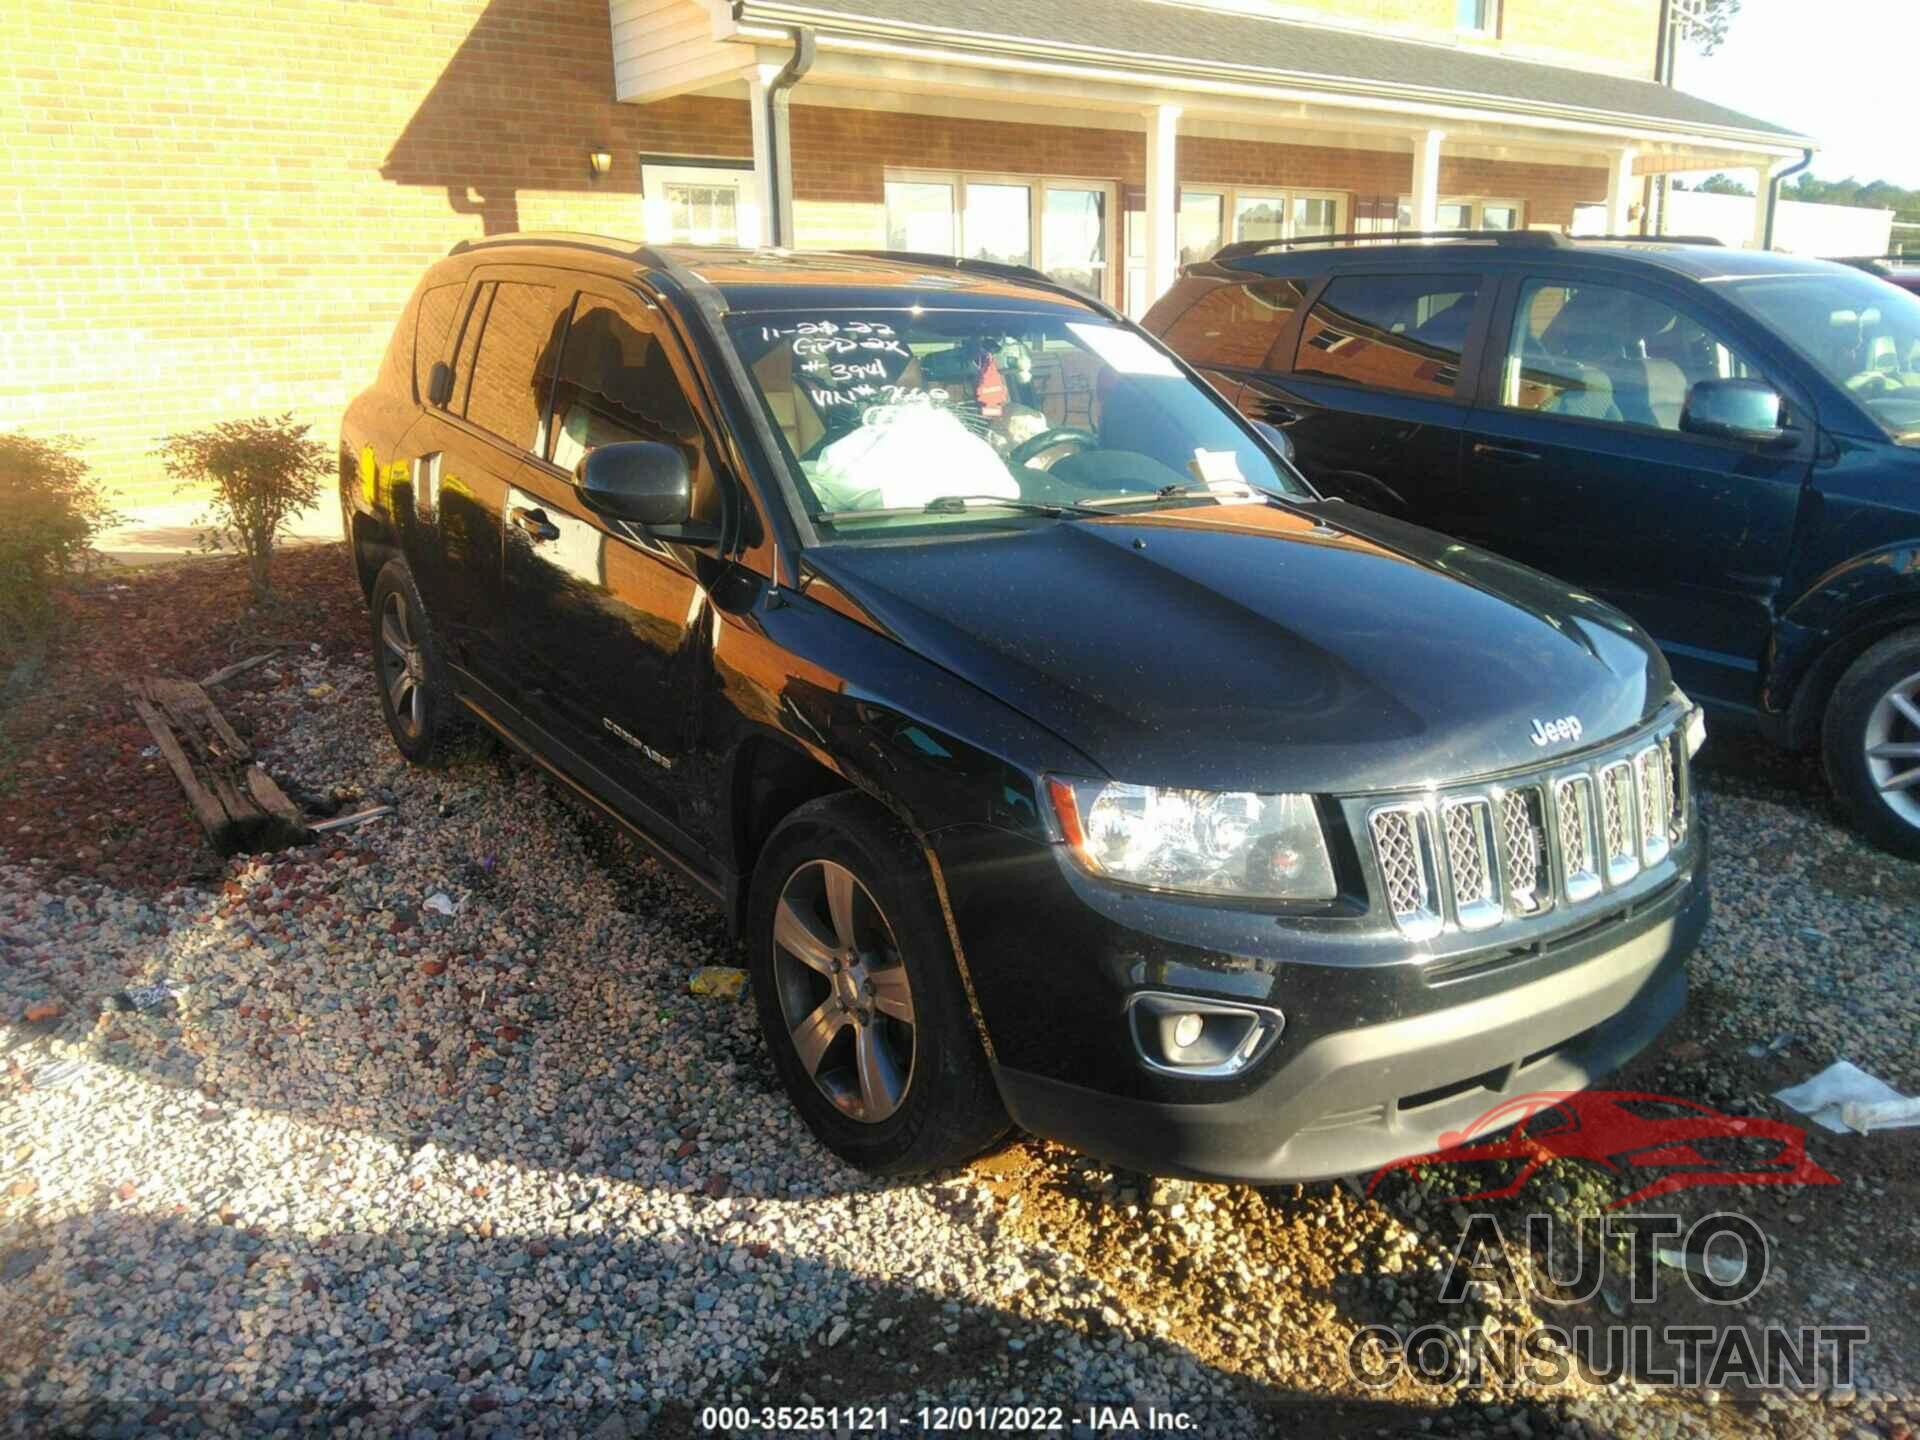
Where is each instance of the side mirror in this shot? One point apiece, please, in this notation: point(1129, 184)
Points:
point(640, 481)
point(1749, 410)
point(440, 384)
point(1281, 442)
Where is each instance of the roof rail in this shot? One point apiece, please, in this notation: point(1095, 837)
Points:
point(1713, 240)
point(1524, 239)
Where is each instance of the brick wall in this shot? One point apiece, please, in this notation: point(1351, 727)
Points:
point(214, 209)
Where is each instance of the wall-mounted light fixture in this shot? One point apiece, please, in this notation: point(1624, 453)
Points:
point(599, 162)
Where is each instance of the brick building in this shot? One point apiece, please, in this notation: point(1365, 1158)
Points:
point(216, 207)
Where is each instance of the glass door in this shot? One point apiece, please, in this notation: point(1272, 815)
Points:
point(1074, 244)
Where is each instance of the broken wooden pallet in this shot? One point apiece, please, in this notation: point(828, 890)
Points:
point(235, 801)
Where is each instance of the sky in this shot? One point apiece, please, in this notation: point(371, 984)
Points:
point(1842, 71)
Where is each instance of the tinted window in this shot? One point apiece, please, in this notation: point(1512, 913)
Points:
point(506, 396)
point(1394, 332)
point(616, 382)
point(1603, 353)
point(431, 336)
point(1236, 324)
point(469, 343)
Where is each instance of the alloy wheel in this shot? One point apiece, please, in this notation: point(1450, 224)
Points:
point(843, 990)
point(1892, 746)
point(402, 666)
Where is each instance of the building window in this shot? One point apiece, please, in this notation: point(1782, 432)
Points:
point(1063, 227)
point(1479, 17)
point(1468, 212)
point(710, 203)
point(1256, 215)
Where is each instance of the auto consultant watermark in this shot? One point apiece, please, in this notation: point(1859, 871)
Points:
point(1723, 1258)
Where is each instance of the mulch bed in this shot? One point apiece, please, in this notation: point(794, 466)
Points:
point(82, 787)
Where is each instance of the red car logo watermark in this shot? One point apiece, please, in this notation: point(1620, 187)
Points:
point(1626, 1131)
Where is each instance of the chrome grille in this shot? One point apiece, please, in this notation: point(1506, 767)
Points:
point(1622, 853)
point(1468, 825)
point(1473, 860)
point(1406, 869)
point(1523, 841)
point(1656, 823)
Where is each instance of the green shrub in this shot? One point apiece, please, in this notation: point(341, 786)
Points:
point(262, 472)
point(50, 511)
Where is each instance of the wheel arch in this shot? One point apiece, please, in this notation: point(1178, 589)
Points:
point(1809, 659)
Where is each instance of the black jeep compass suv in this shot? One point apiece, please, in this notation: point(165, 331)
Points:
point(1059, 755)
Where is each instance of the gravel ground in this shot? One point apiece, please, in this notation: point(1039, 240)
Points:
point(294, 1147)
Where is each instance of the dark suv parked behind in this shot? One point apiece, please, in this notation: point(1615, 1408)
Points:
point(1058, 754)
point(1723, 443)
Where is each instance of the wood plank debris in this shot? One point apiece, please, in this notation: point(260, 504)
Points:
point(235, 670)
point(236, 802)
point(341, 822)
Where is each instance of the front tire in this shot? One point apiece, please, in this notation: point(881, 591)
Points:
point(859, 996)
point(414, 696)
point(1871, 743)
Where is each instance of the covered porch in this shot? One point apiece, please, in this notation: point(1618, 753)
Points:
point(1110, 159)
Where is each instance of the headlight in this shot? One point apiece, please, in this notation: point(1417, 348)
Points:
point(1266, 847)
point(1696, 722)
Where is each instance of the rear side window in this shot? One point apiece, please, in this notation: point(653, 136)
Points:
point(432, 332)
point(1237, 325)
point(508, 396)
point(1390, 332)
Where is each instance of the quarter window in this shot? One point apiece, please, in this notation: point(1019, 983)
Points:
point(1599, 352)
point(508, 393)
point(1392, 332)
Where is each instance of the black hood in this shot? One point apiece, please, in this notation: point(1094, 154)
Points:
point(1259, 647)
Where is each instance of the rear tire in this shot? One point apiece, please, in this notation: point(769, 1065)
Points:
point(851, 964)
point(1870, 742)
point(415, 698)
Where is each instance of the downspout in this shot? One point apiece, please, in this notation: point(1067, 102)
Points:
point(1655, 214)
point(1773, 194)
point(779, 132)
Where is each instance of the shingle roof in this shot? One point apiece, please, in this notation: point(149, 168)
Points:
point(1123, 32)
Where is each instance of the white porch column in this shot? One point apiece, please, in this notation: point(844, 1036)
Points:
point(1426, 179)
point(762, 149)
point(1620, 191)
point(1163, 200)
point(1762, 182)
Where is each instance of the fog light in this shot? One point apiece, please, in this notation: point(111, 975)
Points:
point(1200, 1038)
point(1696, 731)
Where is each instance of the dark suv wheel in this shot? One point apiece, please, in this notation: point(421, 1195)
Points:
point(1872, 742)
point(407, 671)
point(859, 996)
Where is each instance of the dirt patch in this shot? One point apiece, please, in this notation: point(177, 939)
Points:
point(85, 792)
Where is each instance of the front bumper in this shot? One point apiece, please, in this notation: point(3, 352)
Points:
point(1352, 1100)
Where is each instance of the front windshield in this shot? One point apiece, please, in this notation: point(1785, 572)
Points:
point(979, 413)
point(1862, 332)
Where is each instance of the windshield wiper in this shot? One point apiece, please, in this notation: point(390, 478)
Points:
point(1186, 491)
point(957, 505)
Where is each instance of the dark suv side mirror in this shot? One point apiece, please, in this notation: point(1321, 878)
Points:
point(440, 384)
point(1281, 442)
point(639, 481)
point(1749, 410)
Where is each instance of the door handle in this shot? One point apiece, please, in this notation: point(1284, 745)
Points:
point(1505, 454)
point(535, 523)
